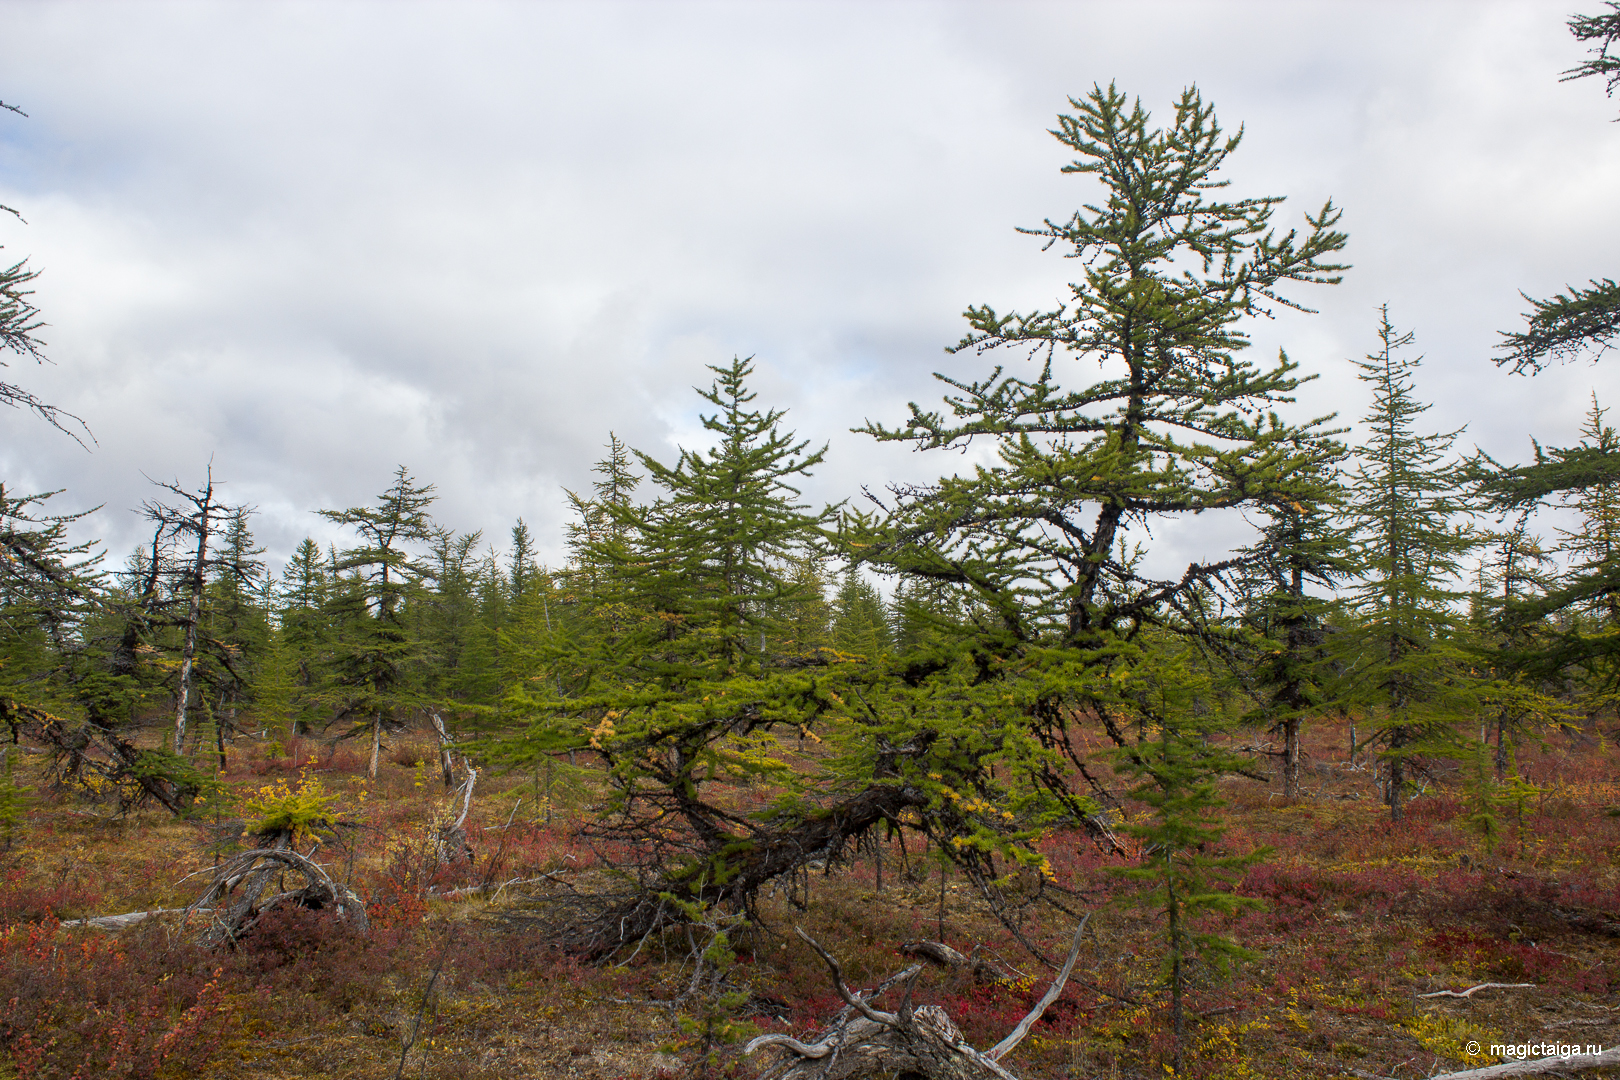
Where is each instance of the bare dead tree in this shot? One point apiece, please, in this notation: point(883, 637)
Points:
point(196, 517)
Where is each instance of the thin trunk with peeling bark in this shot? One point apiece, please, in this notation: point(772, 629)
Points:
point(444, 749)
point(188, 652)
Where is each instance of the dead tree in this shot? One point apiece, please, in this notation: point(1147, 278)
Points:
point(236, 899)
point(198, 521)
point(920, 1042)
point(445, 761)
point(450, 841)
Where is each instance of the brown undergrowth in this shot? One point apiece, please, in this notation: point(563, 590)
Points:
point(455, 978)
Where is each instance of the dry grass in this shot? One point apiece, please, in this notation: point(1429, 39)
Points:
point(1360, 919)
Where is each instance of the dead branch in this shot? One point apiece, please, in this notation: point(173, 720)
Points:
point(119, 922)
point(983, 970)
point(1016, 1036)
point(922, 1042)
point(1482, 986)
point(1572, 1063)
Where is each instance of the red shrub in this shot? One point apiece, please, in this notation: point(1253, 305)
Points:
point(21, 902)
point(88, 1006)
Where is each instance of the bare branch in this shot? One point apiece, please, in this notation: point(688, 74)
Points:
point(1016, 1036)
point(1482, 986)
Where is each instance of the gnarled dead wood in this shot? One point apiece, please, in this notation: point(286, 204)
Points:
point(450, 841)
point(923, 1042)
point(251, 873)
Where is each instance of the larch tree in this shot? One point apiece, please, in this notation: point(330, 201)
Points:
point(1409, 519)
point(1043, 543)
point(675, 683)
point(1302, 557)
point(375, 644)
point(20, 324)
point(1582, 321)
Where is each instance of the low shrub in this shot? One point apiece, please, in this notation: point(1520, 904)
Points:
point(94, 1005)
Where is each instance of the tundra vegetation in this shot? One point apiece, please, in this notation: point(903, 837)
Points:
point(951, 780)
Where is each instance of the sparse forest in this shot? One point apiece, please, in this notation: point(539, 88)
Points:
point(942, 781)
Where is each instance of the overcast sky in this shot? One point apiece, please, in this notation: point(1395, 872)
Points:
point(316, 241)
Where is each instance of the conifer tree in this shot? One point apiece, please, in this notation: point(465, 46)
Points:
point(375, 645)
point(236, 619)
point(860, 625)
point(1287, 585)
point(599, 519)
point(1405, 509)
point(1580, 320)
point(304, 637)
point(49, 588)
point(19, 327)
point(1516, 568)
point(677, 684)
point(1041, 547)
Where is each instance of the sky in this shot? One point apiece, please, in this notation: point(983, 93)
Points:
point(312, 242)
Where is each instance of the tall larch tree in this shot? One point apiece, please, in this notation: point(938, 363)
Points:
point(1043, 541)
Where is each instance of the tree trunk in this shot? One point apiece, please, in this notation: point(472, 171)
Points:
point(1501, 744)
point(1177, 1013)
point(376, 743)
point(1291, 758)
point(444, 749)
point(188, 652)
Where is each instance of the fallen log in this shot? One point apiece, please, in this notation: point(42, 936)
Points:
point(922, 1042)
point(119, 922)
point(982, 970)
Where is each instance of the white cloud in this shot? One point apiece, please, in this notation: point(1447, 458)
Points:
point(318, 240)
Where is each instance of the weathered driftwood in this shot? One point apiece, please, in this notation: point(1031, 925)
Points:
point(1468, 993)
point(921, 1042)
point(1573, 1063)
point(119, 922)
point(235, 899)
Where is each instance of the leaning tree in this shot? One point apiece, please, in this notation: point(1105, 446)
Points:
point(1133, 405)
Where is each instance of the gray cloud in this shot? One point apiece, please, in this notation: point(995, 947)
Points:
point(314, 241)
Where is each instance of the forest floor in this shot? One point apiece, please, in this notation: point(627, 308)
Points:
point(1360, 920)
